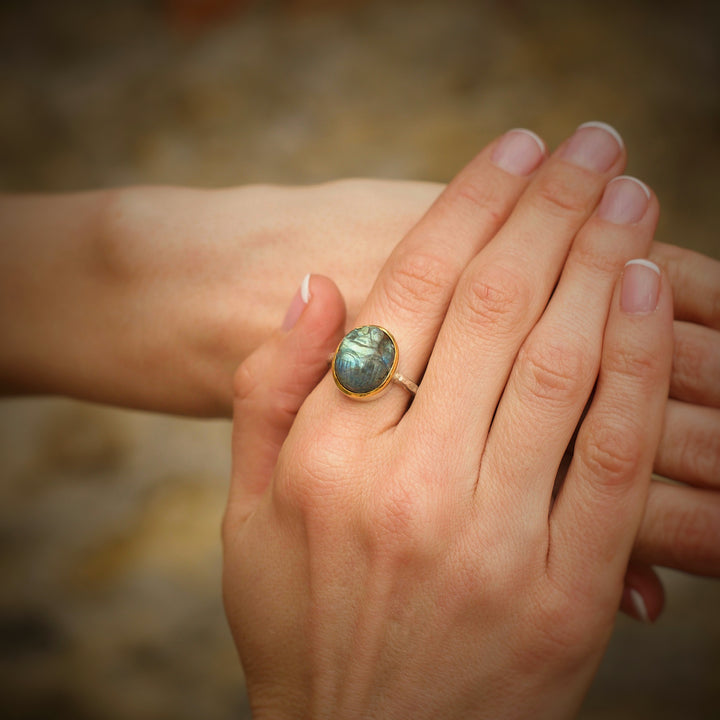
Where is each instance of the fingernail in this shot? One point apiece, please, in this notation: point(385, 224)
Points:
point(595, 146)
point(519, 152)
point(640, 287)
point(298, 304)
point(625, 200)
point(638, 604)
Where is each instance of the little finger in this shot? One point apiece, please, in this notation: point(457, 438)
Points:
point(599, 509)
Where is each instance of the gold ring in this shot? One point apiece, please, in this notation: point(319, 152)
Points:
point(365, 363)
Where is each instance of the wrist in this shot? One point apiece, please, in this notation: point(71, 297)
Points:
point(179, 259)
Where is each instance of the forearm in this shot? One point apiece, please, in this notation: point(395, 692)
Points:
point(108, 296)
point(50, 279)
point(151, 297)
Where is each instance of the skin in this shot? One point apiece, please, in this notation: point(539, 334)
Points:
point(166, 290)
point(409, 559)
point(153, 285)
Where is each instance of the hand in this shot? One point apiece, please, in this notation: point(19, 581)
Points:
point(406, 562)
point(681, 528)
point(139, 297)
point(151, 297)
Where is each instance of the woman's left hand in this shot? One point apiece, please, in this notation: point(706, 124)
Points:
point(681, 525)
point(410, 562)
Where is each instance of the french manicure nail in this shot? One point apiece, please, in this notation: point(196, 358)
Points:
point(607, 128)
point(519, 152)
point(305, 289)
point(298, 304)
point(595, 146)
point(640, 287)
point(638, 603)
point(625, 200)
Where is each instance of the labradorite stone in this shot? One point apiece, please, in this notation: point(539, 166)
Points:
point(364, 359)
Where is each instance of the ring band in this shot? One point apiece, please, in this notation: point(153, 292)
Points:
point(365, 363)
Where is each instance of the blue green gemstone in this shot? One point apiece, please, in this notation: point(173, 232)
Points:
point(365, 359)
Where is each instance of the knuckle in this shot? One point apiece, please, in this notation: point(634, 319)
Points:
point(695, 362)
point(612, 452)
point(476, 198)
point(714, 305)
point(246, 381)
point(696, 533)
point(496, 299)
point(256, 390)
point(311, 474)
point(687, 363)
point(640, 364)
point(555, 370)
point(418, 279)
point(595, 256)
point(560, 195)
point(700, 454)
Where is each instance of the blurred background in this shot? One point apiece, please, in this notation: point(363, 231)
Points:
point(109, 520)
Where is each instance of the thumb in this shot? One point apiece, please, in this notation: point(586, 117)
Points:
point(272, 384)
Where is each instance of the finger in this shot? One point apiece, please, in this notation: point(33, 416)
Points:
point(643, 595)
point(599, 508)
point(412, 292)
point(271, 385)
point(557, 366)
point(505, 289)
point(689, 450)
point(695, 281)
point(681, 529)
point(696, 365)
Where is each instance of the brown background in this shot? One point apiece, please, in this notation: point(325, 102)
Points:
point(109, 598)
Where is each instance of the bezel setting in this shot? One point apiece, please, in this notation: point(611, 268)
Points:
point(382, 386)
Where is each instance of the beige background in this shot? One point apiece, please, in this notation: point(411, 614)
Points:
point(109, 544)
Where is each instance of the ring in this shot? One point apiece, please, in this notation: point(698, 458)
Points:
point(365, 363)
